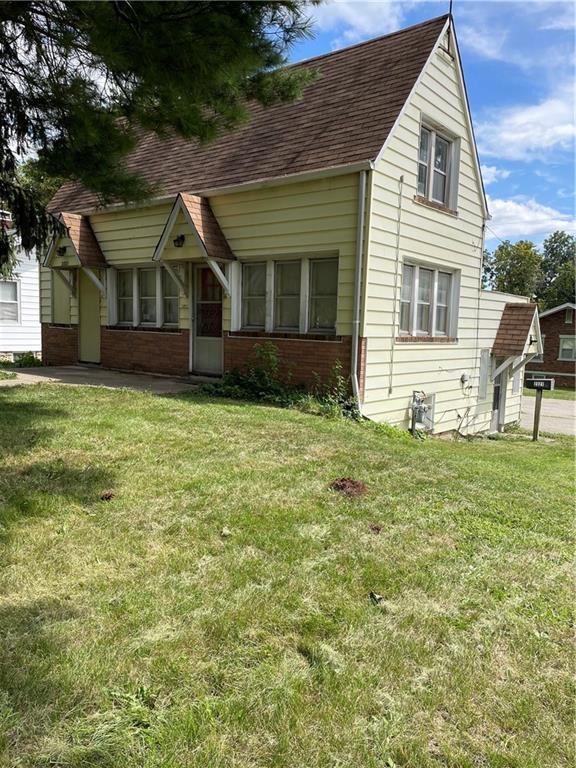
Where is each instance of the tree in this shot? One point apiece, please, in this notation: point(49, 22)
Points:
point(80, 80)
point(517, 268)
point(559, 270)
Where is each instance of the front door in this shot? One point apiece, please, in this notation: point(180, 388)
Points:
point(89, 300)
point(207, 323)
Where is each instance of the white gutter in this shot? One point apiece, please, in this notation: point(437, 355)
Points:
point(358, 286)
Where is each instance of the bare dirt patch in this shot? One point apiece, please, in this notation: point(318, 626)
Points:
point(347, 486)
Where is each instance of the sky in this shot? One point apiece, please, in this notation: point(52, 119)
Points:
point(519, 65)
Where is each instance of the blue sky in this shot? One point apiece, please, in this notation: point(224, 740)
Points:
point(518, 62)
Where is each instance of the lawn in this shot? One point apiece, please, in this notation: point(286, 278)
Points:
point(554, 394)
point(180, 588)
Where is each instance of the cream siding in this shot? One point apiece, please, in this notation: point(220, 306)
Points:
point(427, 236)
point(315, 217)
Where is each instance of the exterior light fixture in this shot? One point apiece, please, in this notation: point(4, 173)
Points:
point(179, 241)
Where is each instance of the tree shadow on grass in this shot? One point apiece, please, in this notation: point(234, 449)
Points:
point(24, 424)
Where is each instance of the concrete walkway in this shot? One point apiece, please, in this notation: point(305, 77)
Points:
point(77, 375)
point(557, 415)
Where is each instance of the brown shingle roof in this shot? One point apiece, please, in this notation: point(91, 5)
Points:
point(83, 239)
point(207, 227)
point(513, 330)
point(344, 117)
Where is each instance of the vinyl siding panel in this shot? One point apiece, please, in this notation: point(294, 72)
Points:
point(24, 336)
point(309, 218)
point(433, 237)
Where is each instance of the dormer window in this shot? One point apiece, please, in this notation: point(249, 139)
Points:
point(434, 166)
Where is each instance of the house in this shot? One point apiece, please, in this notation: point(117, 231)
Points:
point(19, 306)
point(558, 359)
point(347, 226)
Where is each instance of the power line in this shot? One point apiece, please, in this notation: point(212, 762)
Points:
point(495, 235)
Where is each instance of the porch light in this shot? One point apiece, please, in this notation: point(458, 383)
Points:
point(179, 241)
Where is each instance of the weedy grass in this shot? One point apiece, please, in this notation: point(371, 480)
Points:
point(554, 394)
point(180, 588)
point(7, 375)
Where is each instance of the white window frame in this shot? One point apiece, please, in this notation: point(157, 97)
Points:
point(451, 165)
point(252, 297)
point(568, 316)
point(136, 323)
point(270, 321)
point(18, 320)
point(452, 309)
point(566, 359)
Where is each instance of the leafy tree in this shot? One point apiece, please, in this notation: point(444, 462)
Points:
point(487, 269)
point(517, 268)
point(80, 80)
point(31, 176)
point(559, 270)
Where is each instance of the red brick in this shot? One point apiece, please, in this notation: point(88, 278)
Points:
point(59, 344)
point(150, 351)
point(552, 327)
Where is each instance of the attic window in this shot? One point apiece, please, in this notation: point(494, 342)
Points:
point(569, 316)
point(434, 166)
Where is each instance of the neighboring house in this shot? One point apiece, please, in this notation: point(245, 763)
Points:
point(558, 360)
point(347, 226)
point(20, 329)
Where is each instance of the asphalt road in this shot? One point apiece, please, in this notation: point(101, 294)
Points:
point(556, 416)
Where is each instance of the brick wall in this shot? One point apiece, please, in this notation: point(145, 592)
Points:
point(59, 344)
point(150, 351)
point(552, 327)
point(303, 358)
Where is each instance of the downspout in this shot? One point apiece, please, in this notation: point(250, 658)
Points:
point(396, 271)
point(358, 287)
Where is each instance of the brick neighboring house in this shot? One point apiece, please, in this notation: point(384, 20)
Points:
point(345, 227)
point(558, 328)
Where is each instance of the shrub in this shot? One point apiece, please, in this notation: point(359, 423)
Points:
point(23, 360)
point(264, 381)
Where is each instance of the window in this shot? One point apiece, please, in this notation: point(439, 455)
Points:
point(287, 295)
point(254, 295)
point(434, 158)
point(568, 315)
point(567, 349)
point(147, 296)
point(9, 306)
point(170, 294)
point(425, 301)
point(539, 358)
point(323, 294)
point(125, 287)
point(151, 293)
point(292, 296)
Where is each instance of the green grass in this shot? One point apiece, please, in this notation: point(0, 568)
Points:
point(7, 375)
point(554, 394)
point(139, 633)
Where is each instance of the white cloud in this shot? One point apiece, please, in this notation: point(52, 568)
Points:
point(490, 174)
point(491, 43)
point(521, 217)
point(529, 132)
point(561, 16)
point(355, 20)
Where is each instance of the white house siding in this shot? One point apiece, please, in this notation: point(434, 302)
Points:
point(426, 236)
point(24, 336)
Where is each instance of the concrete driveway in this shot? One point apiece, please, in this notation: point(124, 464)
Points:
point(77, 375)
point(557, 415)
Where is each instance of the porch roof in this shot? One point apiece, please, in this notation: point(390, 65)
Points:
point(514, 330)
point(83, 240)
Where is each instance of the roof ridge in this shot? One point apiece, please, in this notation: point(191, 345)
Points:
point(371, 40)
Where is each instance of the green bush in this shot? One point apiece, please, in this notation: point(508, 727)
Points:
point(24, 360)
point(264, 381)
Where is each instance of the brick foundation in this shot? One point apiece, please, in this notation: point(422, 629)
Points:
point(59, 344)
point(304, 359)
point(151, 351)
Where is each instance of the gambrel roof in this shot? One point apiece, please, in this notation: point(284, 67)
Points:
point(343, 119)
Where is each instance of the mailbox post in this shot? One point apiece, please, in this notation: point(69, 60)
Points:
point(539, 385)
